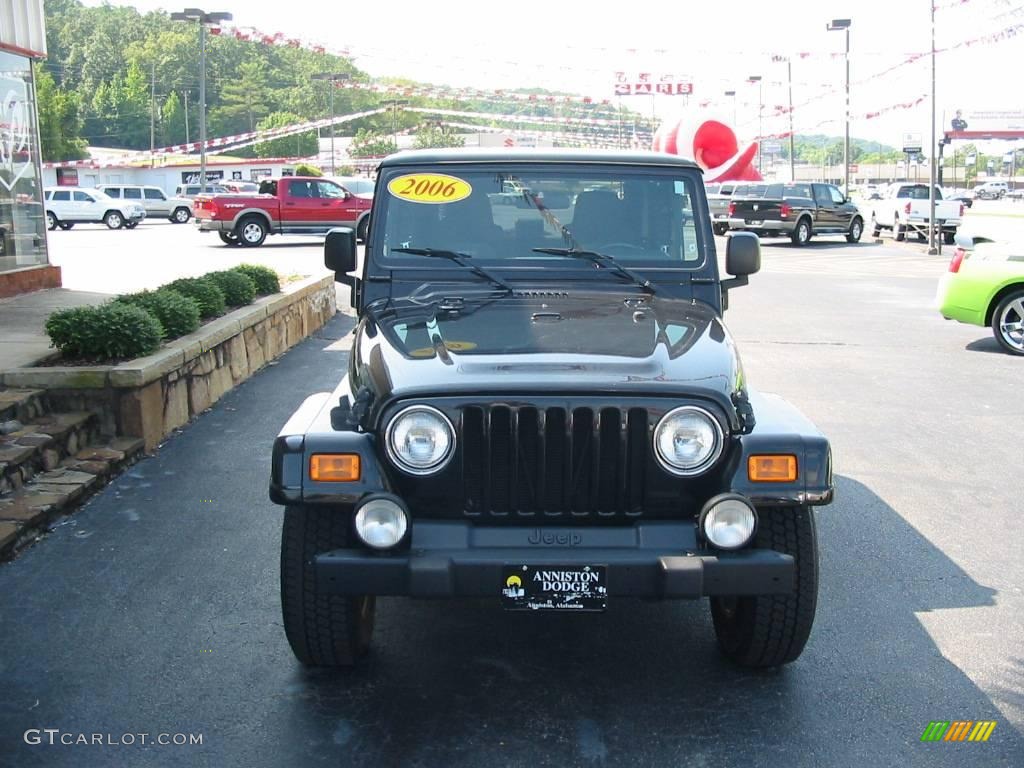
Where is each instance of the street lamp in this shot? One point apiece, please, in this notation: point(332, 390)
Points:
point(394, 104)
point(205, 20)
point(733, 94)
point(332, 78)
point(760, 115)
point(843, 25)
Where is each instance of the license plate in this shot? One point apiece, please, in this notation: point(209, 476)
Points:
point(755, 221)
point(554, 588)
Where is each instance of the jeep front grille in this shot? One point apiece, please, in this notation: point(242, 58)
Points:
point(553, 462)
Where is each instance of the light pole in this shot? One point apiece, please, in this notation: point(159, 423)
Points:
point(205, 20)
point(332, 78)
point(760, 115)
point(394, 104)
point(733, 94)
point(837, 25)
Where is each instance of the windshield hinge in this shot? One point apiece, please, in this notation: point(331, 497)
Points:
point(452, 304)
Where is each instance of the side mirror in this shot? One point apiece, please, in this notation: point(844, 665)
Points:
point(340, 253)
point(742, 254)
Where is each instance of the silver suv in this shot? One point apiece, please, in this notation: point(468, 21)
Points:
point(153, 199)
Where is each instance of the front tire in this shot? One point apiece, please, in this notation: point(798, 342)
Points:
point(323, 629)
point(251, 231)
point(1008, 322)
point(51, 221)
point(769, 630)
point(802, 234)
point(899, 233)
point(856, 230)
point(65, 225)
point(113, 220)
point(876, 229)
point(181, 215)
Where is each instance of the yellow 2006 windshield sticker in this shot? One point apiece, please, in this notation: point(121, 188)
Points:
point(429, 188)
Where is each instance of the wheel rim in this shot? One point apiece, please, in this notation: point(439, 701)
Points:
point(803, 233)
point(51, 222)
point(114, 220)
point(856, 230)
point(181, 215)
point(252, 232)
point(1011, 329)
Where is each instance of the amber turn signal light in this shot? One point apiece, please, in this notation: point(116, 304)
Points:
point(334, 467)
point(771, 469)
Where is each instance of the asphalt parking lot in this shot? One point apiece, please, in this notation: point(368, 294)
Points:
point(155, 608)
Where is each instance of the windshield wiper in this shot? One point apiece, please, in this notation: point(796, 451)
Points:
point(457, 257)
point(602, 260)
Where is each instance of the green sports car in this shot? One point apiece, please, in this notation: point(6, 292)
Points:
point(985, 286)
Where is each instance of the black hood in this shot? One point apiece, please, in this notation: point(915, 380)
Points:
point(584, 343)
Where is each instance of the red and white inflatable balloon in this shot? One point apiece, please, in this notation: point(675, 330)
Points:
point(711, 143)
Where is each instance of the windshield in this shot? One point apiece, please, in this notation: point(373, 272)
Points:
point(500, 219)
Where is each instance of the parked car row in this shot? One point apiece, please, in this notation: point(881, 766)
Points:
point(67, 206)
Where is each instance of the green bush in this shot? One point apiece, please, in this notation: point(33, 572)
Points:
point(239, 289)
point(305, 169)
point(264, 278)
point(206, 293)
point(112, 331)
point(178, 314)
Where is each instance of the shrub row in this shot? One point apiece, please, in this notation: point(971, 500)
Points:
point(132, 325)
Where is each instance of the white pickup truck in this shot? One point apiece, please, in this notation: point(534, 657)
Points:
point(904, 206)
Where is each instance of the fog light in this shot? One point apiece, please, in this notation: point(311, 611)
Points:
point(381, 523)
point(728, 521)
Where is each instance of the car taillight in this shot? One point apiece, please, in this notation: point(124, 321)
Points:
point(732, 208)
point(958, 258)
point(907, 209)
point(785, 210)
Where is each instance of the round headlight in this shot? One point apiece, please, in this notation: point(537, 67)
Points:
point(420, 440)
point(688, 440)
point(728, 521)
point(381, 523)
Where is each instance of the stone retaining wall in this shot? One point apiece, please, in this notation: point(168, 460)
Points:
point(152, 396)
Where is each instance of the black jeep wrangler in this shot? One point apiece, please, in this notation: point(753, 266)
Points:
point(543, 407)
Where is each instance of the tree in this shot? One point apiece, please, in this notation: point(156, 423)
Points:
point(370, 144)
point(300, 145)
point(437, 136)
point(305, 169)
point(172, 121)
point(60, 121)
point(242, 99)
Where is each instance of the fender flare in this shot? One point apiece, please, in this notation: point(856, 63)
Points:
point(250, 212)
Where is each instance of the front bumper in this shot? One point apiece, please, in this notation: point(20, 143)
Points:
point(456, 559)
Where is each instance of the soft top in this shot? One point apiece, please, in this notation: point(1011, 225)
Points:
point(543, 155)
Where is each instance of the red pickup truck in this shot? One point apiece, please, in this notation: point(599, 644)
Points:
point(293, 205)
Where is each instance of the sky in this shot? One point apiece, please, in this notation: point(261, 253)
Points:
point(578, 47)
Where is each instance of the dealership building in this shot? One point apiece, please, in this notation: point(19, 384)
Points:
point(24, 265)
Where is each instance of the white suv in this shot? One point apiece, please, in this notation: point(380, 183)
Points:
point(991, 190)
point(153, 199)
point(67, 206)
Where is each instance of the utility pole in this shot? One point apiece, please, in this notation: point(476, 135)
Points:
point(204, 19)
point(186, 116)
point(760, 115)
point(932, 249)
point(393, 105)
point(332, 79)
point(792, 157)
point(152, 114)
